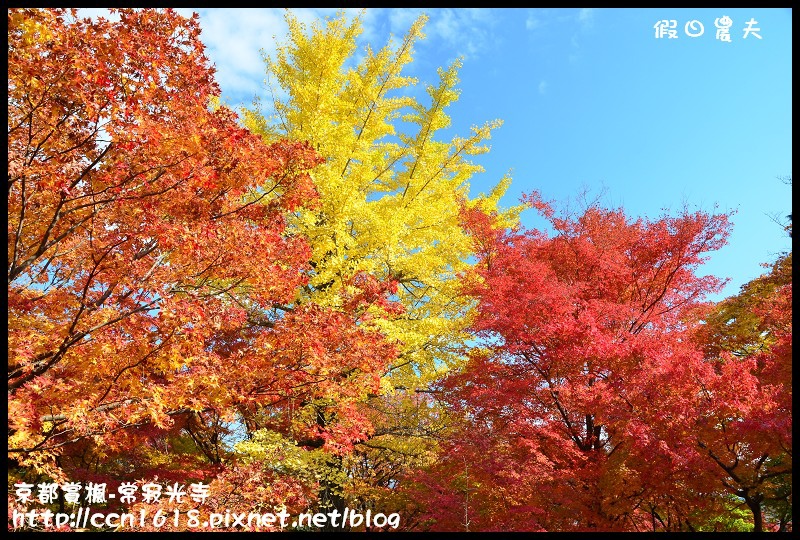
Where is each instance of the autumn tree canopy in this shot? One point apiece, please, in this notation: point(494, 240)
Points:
point(574, 411)
point(389, 197)
point(745, 429)
point(306, 308)
point(150, 272)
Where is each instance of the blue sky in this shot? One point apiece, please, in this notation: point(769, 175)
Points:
point(592, 100)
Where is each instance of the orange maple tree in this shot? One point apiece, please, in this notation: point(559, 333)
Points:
point(151, 277)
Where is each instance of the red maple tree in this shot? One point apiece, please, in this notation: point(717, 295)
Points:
point(574, 410)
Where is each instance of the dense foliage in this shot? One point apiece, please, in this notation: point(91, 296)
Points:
point(304, 309)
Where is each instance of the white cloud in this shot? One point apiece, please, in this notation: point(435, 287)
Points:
point(543, 87)
point(236, 38)
point(586, 17)
point(532, 22)
point(537, 19)
point(469, 32)
point(233, 39)
point(370, 22)
point(401, 19)
point(444, 25)
point(466, 31)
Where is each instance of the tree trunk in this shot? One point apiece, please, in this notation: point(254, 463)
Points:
point(754, 504)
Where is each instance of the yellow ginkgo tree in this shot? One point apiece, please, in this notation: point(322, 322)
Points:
point(389, 211)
